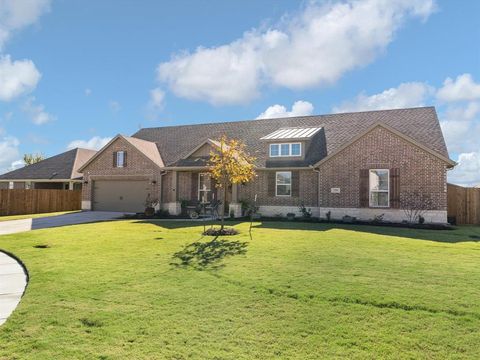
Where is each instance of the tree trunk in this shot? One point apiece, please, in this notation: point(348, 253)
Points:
point(224, 190)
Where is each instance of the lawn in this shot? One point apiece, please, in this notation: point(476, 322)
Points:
point(157, 290)
point(33, 216)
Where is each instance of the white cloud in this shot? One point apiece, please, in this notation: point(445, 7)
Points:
point(17, 77)
point(406, 95)
point(37, 113)
point(156, 103)
point(299, 108)
point(467, 172)
point(114, 106)
point(17, 14)
point(10, 153)
point(463, 88)
point(313, 48)
point(461, 126)
point(17, 164)
point(94, 143)
point(88, 92)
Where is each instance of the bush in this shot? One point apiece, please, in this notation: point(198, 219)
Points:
point(306, 213)
point(290, 216)
point(162, 214)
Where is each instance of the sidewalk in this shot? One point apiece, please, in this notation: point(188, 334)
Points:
point(13, 281)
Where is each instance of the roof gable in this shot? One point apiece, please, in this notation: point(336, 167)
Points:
point(146, 148)
point(408, 139)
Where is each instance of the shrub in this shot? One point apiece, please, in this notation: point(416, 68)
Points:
point(306, 213)
point(329, 215)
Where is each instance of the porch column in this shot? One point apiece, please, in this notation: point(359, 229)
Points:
point(235, 207)
point(174, 206)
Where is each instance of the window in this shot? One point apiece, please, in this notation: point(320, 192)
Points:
point(296, 150)
point(120, 159)
point(379, 188)
point(283, 184)
point(204, 187)
point(287, 149)
point(274, 150)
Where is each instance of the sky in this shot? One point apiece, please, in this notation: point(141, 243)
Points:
point(76, 73)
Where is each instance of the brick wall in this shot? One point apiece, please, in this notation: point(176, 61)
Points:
point(307, 190)
point(419, 170)
point(138, 168)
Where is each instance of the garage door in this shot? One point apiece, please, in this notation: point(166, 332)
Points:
point(126, 196)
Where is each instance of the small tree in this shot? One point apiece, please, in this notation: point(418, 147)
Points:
point(230, 164)
point(415, 204)
point(30, 159)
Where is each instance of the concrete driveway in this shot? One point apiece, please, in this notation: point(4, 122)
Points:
point(16, 226)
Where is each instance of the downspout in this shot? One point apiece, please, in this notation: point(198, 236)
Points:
point(162, 173)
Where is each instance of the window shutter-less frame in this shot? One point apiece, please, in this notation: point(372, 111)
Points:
point(395, 188)
point(271, 183)
point(295, 183)
point(114, 159)
point(363, 190)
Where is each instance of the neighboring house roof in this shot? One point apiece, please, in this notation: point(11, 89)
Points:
point(420, 124)
point(147, 148)
point(63, 166)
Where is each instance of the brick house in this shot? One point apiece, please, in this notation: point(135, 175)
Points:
point(359, 164)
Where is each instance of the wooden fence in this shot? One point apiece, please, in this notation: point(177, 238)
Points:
point(21, 201)
point(464, 204)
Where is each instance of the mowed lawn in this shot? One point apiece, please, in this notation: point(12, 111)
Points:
point(115, 290)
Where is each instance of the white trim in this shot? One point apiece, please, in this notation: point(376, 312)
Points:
point(118, 163)
point(289, 149)
point(276, 184)
point(378, 191)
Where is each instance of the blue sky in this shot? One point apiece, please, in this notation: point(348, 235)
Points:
point(79, 72)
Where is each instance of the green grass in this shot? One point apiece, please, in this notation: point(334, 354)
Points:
point(140, 290)
point(33, 216)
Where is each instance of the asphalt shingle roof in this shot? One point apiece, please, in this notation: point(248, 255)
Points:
point(176, 142)
point(61, 166)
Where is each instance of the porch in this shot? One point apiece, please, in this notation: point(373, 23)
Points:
point(192, 190)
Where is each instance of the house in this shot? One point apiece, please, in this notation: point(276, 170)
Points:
point(361, 164)
point(57, 172)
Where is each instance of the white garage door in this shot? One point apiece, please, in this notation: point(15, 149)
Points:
point(126, 196)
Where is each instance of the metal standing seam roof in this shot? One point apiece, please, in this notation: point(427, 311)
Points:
point(292, 133)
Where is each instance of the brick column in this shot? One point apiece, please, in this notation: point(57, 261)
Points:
point(235, 206)
point(174, 207)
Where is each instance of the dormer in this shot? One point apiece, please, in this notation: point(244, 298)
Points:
point(289, 143)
